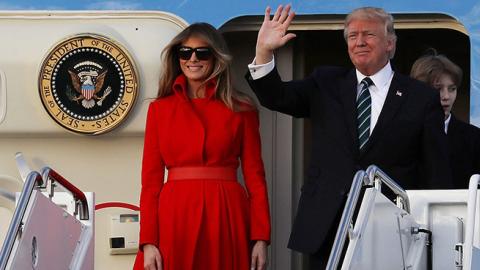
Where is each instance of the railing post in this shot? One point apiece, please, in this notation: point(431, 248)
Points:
point(346, 219)
point(33, 180)
point(374, 173)
point(78, 195)
point(470, 226)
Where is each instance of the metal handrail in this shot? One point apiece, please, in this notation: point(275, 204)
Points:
point(375, 175)
point(346, 219)
point(33, 180)
point(470, 226)
point(79, 197)
point(372, 177)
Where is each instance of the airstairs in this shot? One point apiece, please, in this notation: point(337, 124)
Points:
point(423, 230)
point(50, 229)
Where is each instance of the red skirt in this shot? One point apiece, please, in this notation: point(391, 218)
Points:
point(203, 225)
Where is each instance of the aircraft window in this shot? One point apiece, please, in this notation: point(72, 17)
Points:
point(320, 41)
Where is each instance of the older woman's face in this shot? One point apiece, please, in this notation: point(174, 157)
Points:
point(448, 92)
point(200, 63)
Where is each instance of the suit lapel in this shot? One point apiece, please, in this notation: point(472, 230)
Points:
point(454, 131)
point(452, 125)
point(348, 95)
point(397, 94)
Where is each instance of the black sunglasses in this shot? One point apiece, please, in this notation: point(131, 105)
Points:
point(202, 53)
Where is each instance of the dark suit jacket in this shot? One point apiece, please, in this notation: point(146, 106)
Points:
point(408, 142)
point(464, 150)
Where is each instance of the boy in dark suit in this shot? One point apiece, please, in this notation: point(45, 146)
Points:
point(463, 139)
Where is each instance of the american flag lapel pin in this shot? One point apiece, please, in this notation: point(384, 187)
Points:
point(398, 93)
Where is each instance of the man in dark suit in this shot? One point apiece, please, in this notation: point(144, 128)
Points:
point(362, 116)
point(463, 139)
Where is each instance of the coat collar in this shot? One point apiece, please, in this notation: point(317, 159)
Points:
point(180, 88)
point(455, 126)
point(381, 79)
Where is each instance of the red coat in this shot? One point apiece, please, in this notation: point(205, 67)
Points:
point(181, 132)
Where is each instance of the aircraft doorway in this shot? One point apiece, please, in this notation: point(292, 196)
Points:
point(286, 141)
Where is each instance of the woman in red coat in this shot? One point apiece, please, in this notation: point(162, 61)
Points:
point(200, 129)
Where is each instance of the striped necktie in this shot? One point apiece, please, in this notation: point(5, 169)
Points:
point(364, 105)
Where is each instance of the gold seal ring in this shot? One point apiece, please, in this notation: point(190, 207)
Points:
point(88, 84)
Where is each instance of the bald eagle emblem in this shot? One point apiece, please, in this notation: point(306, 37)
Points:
point(88, 84)
point(88, 79)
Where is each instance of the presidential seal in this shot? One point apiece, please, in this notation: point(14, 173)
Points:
point(88, 84)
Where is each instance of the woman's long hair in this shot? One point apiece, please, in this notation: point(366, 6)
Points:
point(221, 65)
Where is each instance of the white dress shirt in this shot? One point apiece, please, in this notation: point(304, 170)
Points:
point(381, 80)
point(447, 121)
point(378, 91)
point(259, 71)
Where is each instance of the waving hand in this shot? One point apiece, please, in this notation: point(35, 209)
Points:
point(273, 33)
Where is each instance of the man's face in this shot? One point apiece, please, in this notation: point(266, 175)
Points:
point(368, 45)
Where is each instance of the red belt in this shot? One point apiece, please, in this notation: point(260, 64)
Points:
point(217, 173)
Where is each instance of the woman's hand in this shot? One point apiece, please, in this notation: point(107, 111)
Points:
point(259, 256)
point(152, 260)
point(272, 34)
